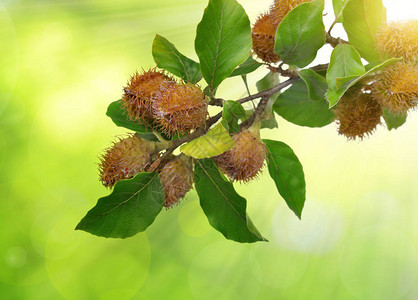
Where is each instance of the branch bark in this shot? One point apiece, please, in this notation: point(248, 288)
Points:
point(334, 42)
point(256, 116)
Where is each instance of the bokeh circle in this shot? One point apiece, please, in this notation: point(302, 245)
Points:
point(280, 267)
point(224, 270)
point(318, 232)
point(192, 220)
point(82, 266)
point(379, 263)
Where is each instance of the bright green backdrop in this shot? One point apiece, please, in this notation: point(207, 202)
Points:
point(61, 64)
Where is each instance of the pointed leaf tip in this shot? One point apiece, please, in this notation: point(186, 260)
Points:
point(223, 206)
point(223, 40)
point(287, 173)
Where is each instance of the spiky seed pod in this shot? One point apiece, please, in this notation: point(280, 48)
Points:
point(264, 29)
point(357, 115)
point(124, 159)
point(177, 179)
point(396, 39)
point(396, 88)
point(281, 8)
point(179, 108)
point(138, 93)
point(245, 160)
point(263, 35)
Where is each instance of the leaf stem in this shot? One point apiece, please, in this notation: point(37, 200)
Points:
point(332, 26)
point(269, 92)
point(337, 17)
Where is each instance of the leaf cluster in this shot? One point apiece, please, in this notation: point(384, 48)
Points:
point(223, 47)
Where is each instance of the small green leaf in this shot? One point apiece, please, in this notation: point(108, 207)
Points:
point(244, 79)
point(120, 118)
point(130, 208)
point(341, 81)
point(338, 6)
point(287, 172)
point(361, 20)
point(269, 119)
point(301, 33)
point(213, 143)
point(269, 123)
point(248, 66)
point(394, 121)
point(334, 96)
point(317, 84)
point(248, 113)
point(233, 112)
point(167, 57)
point(265, 83)
point(268, 81)
point(223, 206)
point(345, 62)
point(223, 40)
point(297, 107)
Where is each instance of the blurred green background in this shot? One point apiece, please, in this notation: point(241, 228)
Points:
point(62, 63)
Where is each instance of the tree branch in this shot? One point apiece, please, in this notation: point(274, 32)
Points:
point(216, 102)
point(334, 42)
point(285, 73)
point(256, 116)
point(264, 95)
point(160, 162)
point(268, 93)
point(293, 78)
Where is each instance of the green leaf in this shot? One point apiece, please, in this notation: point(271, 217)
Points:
point(301, 34)
point(244, 79)
point(394, 121)
point(297, 107)
point(248, 113)
point(361, 20)
point(248, 66)
point(223, 206)
point(269, 123)
point(268, 81)
point(120, 118)
point(223, 40)
point(287, 172)
point(341, 81)
point(317, 84)
point(213, 143)
point(268, 117)
point(233, 112)
point(334, 96)
point(338, 6)
point(130, 208)
point(167, 57)
point(345, 62)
